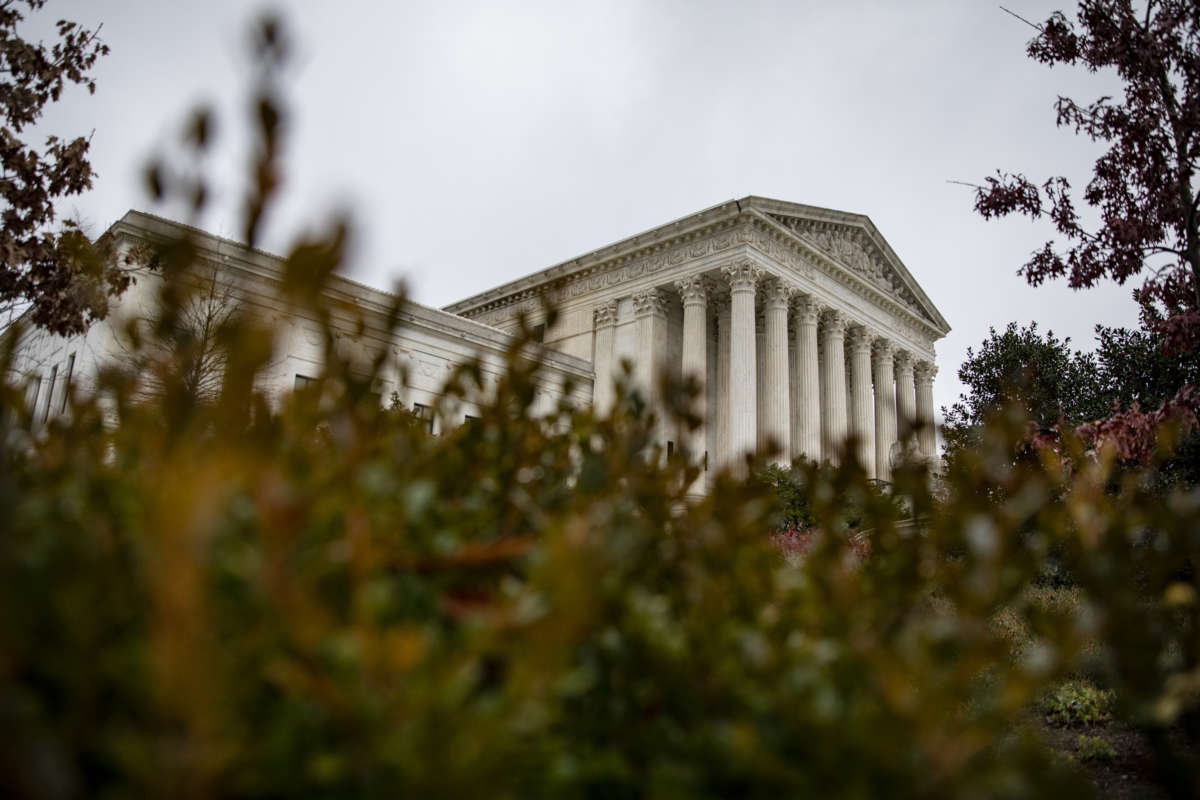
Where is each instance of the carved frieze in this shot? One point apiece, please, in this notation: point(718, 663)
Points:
point(852, 248)
point(848, 247)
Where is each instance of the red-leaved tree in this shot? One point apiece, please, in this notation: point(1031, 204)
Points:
point(1143, 186)
point(56, 273)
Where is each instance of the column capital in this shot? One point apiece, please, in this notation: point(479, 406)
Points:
point(808, 310)
point(834, 321)
point(859, 338)
point(693, 290)
point(649, 302)
point(924, 371)
point(883, 349)
point(743, 276)
point(605, 314)
point(777, 294)
point(904, 360)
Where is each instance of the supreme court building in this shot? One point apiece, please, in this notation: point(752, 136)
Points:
point(801, 323)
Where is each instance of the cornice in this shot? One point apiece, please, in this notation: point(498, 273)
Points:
point(746, 222)
point(346, 294)
point(602, 259)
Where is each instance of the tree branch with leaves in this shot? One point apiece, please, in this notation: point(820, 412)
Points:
point(50, 269)
point(1143, 186)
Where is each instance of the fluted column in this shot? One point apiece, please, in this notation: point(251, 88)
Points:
point(862, 400)
point(927, 435)
point(724, 396)
point(793, 388)
point(742, 388)
point(778, 425)
point(906, 394)
point(694, 360)
point(885, 408)
point(833, 415)
point(760, 372)
point(605, 321)
point(808, 383)
point(650, 307)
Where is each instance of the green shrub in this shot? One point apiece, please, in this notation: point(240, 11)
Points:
point(1094, 748)
point(1076, 702)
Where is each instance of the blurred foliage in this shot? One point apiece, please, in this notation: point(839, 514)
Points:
point(222, 597)
point(1094, 748)
point(1129, 383)
point(1021, 366)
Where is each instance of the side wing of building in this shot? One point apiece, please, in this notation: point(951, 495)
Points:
point(421, 352)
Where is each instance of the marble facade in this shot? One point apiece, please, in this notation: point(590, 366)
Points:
point(801, 324)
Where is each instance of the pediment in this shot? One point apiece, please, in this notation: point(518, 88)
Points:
point(855, 249)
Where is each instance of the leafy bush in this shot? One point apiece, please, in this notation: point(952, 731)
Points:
point(1094, 748)
point(1076, 702)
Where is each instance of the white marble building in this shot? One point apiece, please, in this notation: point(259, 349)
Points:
point(426, 345)
point(801, 323)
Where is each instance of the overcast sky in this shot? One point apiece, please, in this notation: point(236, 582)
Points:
point(475, 142)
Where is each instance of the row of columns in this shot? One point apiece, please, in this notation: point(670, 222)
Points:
point(762, 394)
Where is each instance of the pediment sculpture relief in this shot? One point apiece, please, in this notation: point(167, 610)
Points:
point(847, 247)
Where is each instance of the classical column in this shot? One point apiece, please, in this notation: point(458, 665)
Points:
point(906, 394)
point(808, 383)
point(742, 387)
point(885, 408)
point(650, 307)
point(833, 415)
point(862, 400)
point(724, 397)
point(793, 389)
point(694, 358)
point(760, 372)
point(778, 425)
point(927, 435)
point(605, 321)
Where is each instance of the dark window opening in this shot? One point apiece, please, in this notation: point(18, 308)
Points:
point(424, 413)
point(539, 333)
point(670, 449)
point(50, 393)
point(66, 395)
point(303, 381)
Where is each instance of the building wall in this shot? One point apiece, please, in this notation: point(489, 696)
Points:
point(421, 352)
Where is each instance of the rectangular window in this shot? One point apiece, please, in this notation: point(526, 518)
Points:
point(303, 380)
point(424, 413)
point(66, 394)
point(468, 418)
point(670, 449)
point(50, 393)
point(539, 333)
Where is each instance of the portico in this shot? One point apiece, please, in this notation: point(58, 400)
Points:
point(801, 325)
